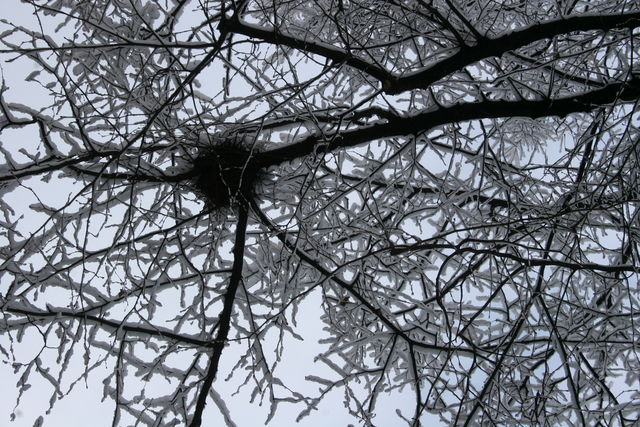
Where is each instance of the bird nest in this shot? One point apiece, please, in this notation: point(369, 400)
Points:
point(224, 175)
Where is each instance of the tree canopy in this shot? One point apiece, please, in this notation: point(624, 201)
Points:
point(438, 198)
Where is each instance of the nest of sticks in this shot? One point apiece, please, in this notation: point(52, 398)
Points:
point(224, 175)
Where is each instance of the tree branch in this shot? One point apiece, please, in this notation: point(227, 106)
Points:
point(466, 55)
point(224, 321)
point(495, 47)
point(615, 92)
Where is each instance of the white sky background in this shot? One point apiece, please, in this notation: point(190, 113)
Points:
point(84, 406)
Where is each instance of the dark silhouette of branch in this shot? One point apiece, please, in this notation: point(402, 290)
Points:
point(224, 319)
point(484, 48)
point(615, 92)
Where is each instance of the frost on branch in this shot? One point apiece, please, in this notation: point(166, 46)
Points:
point(329, 212)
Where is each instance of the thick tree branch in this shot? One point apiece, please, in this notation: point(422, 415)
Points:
point(616, 92)
point(275, 37)
point(224, 321)
point(466, 55)
point(486, 48)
